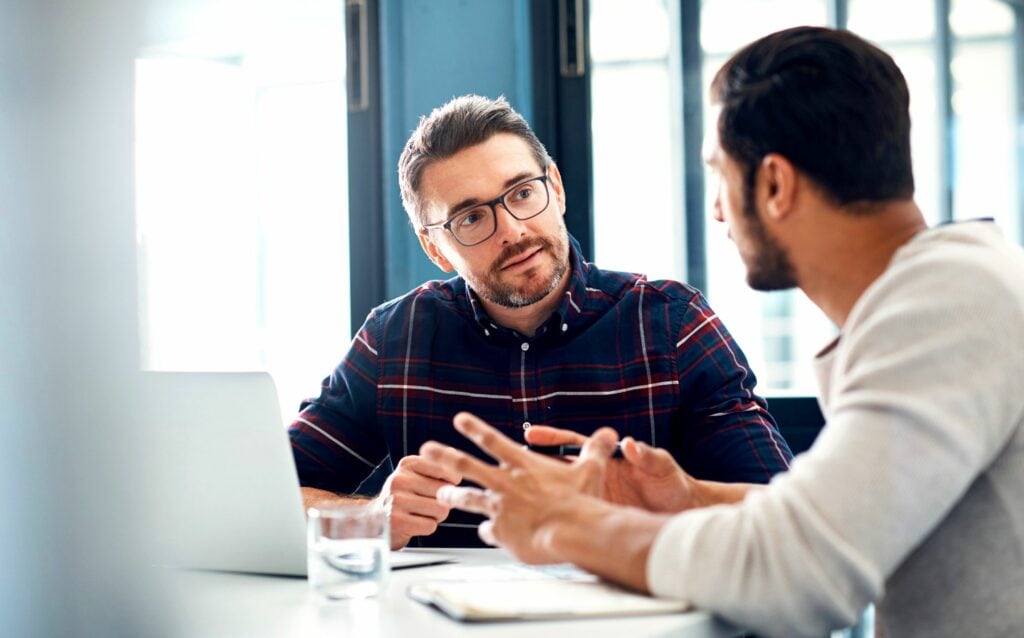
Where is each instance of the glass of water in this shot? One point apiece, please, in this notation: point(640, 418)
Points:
point(348, 550)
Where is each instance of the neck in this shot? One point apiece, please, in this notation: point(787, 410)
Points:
point(527, 319)
point(843, 252)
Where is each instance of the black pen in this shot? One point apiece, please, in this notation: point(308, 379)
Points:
point(567, 450)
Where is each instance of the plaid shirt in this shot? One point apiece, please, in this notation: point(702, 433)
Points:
point(648, 358)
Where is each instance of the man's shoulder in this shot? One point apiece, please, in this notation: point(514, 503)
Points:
point(966, 260)
point(621, 285)
point(429, 296)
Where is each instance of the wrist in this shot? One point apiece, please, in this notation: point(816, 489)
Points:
point(611, 541)
point(707, 493)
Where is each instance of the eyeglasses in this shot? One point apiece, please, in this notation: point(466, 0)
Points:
point(475, 225)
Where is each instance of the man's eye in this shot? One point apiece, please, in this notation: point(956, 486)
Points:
point(524, 192)
point(471, 218)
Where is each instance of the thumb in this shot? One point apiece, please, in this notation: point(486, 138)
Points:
point(651, 460)
point(600, 445)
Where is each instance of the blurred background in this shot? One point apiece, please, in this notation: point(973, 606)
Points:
point(210, 185)
point(267, 135)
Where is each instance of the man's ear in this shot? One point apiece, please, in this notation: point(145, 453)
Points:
point(777, 185)
point(433, 252)
point(555, 180)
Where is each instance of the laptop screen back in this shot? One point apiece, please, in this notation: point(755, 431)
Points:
point(226, 490)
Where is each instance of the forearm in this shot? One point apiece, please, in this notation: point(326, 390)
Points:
point(609, 540)
point(585, 528)
point(709, 493)
point(314, 497)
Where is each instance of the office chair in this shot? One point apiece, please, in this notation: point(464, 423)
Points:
point(799, 420)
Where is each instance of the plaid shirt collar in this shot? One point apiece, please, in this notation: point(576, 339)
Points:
point(563, 322)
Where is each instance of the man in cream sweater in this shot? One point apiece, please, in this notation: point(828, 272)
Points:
point(913, 495)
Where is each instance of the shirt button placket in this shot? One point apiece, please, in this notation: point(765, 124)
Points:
point(524, 346)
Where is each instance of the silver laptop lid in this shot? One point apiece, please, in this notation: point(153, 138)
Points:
point(226, 493)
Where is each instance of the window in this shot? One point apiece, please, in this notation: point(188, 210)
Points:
point(241, 195)
point(636, 120)
point(965, 140)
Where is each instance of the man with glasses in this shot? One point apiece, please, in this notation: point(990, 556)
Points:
point(528, 332)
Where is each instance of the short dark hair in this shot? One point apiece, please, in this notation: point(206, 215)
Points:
point(456, 125)
point(833, 104)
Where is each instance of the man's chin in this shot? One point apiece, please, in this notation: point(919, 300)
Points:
point(518, 298)
point(525, 295)
point(763, 283)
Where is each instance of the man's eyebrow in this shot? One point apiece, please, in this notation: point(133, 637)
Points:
point(509, 183)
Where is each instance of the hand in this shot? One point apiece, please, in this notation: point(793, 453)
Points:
point(647, 477)
point(412, 490)
point(527, 496)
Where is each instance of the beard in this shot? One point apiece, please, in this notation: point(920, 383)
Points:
point(769, 267)
point(494, 288)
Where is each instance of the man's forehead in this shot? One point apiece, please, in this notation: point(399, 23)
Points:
point(480, 172)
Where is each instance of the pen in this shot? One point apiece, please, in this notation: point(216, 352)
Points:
point(567, 450)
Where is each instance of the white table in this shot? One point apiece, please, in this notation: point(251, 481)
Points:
point(223, 605)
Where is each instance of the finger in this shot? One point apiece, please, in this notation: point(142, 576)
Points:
point(547, 435)
point(431, 469)
point(486, 533)
point(467, 466)
point(470, 499)
point(488, 439)
point(418, 505)
point(404, 524)
point(600, 445)
point(407, 480)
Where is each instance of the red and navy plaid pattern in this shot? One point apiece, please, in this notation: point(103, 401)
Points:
point(648, 358)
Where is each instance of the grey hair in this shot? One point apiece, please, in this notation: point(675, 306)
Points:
point(456, 125)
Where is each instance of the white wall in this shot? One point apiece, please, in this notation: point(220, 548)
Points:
point(71, 507)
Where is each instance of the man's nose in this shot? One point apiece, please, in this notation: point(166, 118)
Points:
point(716, 210)
point(510, 229)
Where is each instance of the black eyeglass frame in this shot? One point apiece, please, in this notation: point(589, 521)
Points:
point(492, 206)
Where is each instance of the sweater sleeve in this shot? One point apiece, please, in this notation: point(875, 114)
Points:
point(922, 399)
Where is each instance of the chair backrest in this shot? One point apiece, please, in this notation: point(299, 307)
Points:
point(799, 419)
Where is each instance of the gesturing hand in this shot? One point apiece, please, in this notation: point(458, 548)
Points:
point(527, 492)
point(647, 477)
point(412, 489)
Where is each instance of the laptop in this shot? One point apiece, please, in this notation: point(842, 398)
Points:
point(225, 490)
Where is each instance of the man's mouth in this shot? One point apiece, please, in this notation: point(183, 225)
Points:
point(522, 258)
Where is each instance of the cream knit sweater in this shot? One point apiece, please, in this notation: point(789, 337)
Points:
point(913, 494)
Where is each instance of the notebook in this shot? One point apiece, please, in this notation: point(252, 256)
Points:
point(520, 592)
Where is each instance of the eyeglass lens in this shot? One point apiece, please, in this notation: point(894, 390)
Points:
point(475, 225)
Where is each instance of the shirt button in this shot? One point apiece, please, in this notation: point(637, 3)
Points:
point(525, 346)
point(526, 425)
point(565, 327)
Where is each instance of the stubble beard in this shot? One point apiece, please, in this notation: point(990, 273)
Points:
point(769, 268)
point(502, 293)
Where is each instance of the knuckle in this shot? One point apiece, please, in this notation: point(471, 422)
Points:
point(400, 501)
